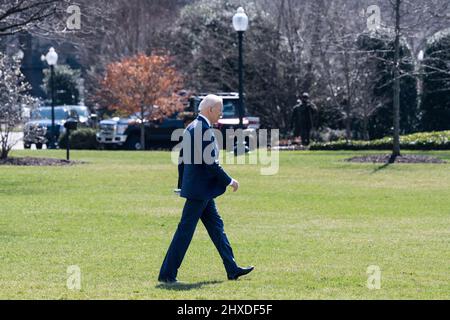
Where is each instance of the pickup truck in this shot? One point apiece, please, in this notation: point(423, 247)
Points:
point(37, 129)
point(125, 133)
point(230, 118)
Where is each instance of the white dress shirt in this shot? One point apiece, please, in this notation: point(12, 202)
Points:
point(206, 119)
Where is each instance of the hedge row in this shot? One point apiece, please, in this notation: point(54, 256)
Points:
point(81, 139)
point(417, 141)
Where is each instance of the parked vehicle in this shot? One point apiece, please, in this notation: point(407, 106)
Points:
point(85, 118)
point(126, 133)
point(230, 118)
point(37, 130)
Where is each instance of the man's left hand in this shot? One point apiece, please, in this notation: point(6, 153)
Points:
point(235, 185)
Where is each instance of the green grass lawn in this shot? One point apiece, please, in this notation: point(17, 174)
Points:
point(311, 231)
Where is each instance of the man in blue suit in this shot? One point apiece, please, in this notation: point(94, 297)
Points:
point(201, 179)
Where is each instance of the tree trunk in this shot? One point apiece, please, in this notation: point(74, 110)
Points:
point(366, 128)
point(142, 129)
point(396, 149)
point(4, 151)
point(3, 155)
point(348, 104)
point(4, 143)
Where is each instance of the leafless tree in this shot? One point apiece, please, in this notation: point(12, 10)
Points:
point(411, 19)
point(13, 97)
point(124, 28)
point(20, 15)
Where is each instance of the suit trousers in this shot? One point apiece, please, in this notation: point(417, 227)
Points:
point(305, 133)
point(193, 211)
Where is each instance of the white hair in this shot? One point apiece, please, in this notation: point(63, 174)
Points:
point(210, 100)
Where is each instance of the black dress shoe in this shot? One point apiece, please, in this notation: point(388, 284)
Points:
point(241, 272)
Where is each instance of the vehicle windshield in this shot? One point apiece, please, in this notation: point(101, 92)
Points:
point(46, 113)
point(230, 107)
point(81, 111)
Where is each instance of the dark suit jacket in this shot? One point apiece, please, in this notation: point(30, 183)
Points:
point(303, 116)
point(204, 180)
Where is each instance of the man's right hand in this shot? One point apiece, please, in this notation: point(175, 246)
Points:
point(235, 185)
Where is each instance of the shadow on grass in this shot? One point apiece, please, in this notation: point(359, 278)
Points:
point(182, 286)
point(391, 160)
point(384, 166)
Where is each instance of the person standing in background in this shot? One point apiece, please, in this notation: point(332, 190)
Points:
point(302, 121)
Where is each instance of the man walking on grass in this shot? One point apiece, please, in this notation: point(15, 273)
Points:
point(201, 180)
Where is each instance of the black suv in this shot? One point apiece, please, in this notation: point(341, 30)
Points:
point(37, 130)
point(125, 133)
point(230, 117)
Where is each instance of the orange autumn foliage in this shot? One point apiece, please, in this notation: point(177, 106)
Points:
point(144, 84)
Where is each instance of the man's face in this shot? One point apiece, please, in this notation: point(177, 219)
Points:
point(216, 113)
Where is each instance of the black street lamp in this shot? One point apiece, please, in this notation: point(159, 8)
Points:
point(70, 125)
point(240, 24)
point(52, 60)
point(420, 58)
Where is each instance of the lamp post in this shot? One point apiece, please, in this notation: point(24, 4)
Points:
point(70, 125)
point(240, 24)
point(420, 58)
point(52, 60)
